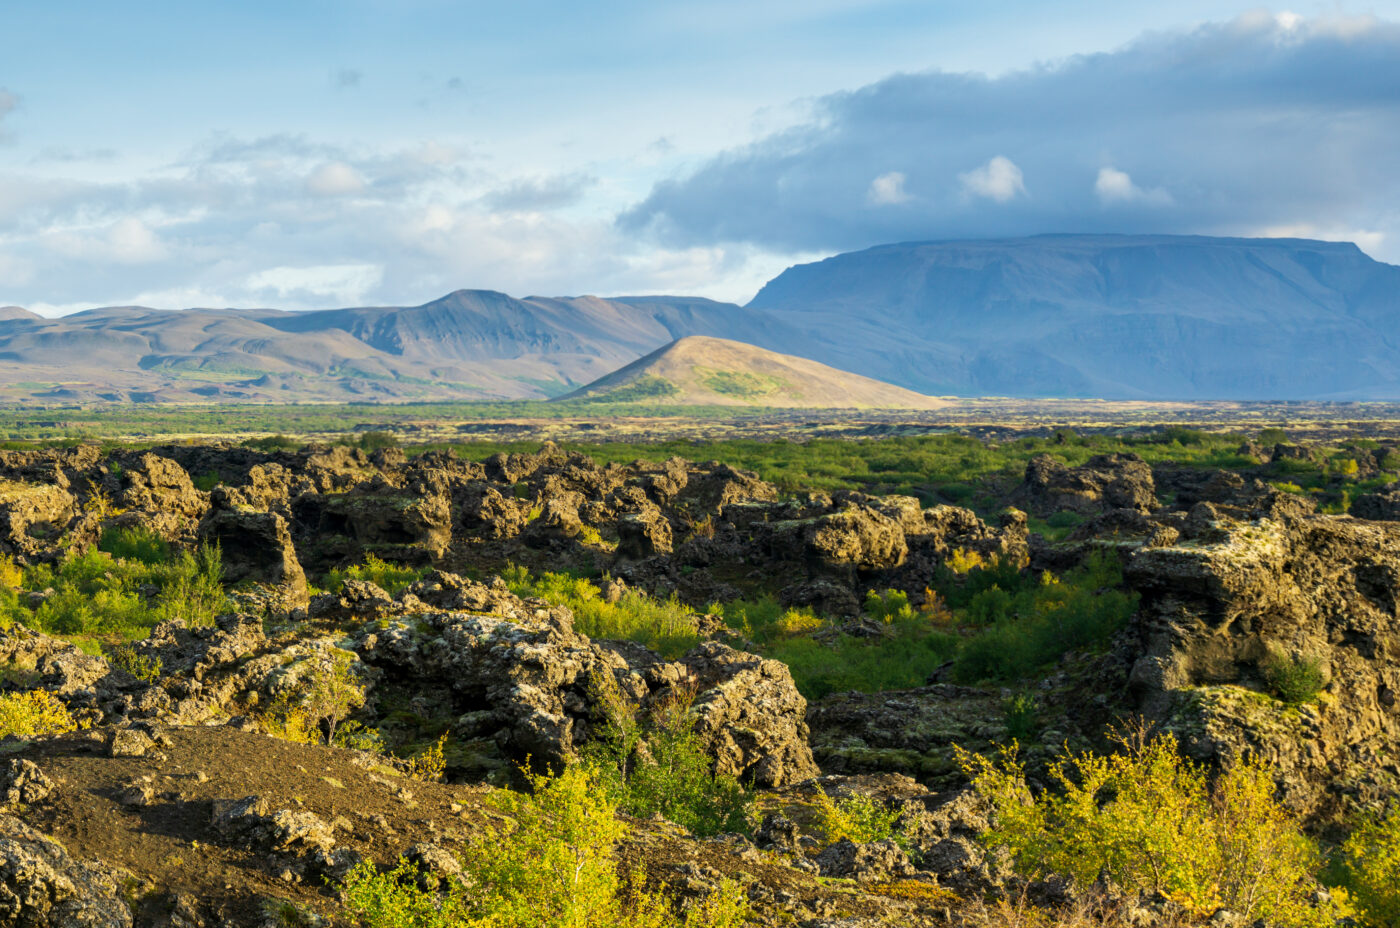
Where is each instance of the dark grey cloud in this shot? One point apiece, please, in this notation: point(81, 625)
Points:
point(538, 194)
point(1258, 124)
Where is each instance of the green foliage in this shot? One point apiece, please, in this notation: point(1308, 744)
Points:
point(1022, 716)
point(644, 388)
point(96, 594)
point(856, 817)
point(372, 441)
point(135, 544)
point(1370, 860)
point(1153, 821)
point(143, 667)
point(388, 576)
point(741, 384)
point(1025, 631)
point(33, 713)
point(1296, 679)
point(272, 443)
point(551, 865)
point(657, 763)
point(889, 606)
point(903, 659)
point(667, 626)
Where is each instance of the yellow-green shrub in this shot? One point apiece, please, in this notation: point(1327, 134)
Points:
point(32, 713)
point(552, 865)
point(860, 818)
point(1153, 821)
point(1371, 857)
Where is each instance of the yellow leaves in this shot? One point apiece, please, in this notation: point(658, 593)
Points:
point(962, 561)
point(33, 713)
point(430, 764)
point(1154, 821)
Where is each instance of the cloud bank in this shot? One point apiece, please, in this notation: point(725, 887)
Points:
point(1263, 123)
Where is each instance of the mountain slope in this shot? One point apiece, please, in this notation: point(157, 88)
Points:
point(699, 371)
point(467, 345)
point(1172, 317)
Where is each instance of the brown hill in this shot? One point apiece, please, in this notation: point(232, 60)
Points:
point(703, 371)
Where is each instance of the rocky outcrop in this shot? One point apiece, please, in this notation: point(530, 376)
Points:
point(524, 680)
point(1377, 507)
point(1104, 482)
point(1245, 592)
point(33, 516)
point(41, 886)
point(255, 546)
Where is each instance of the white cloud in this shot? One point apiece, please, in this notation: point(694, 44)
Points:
point(14, 272)
point(887, 190)
point(1114, 187)
point(346, 283)
point(125, 241)
point(333, 179)
point(999, 179)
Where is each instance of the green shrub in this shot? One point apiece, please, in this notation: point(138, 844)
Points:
point(889, 606)
point(1370, 859)
point(1045, 619)
point(389, 577)
point(1295, 680)
point(657, 764)
point(667, 626)
point(1152, 821)
point(1065, 519)
point(1022, 716)
point(141, 666)
point(135, 544)
point(901, 660)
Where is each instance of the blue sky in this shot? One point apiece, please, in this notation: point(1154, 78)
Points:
point(316, 153)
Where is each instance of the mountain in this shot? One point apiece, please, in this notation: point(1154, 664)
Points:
point(466, 345)
point(698, 370)
point(1111, 316)
point(1121, 317)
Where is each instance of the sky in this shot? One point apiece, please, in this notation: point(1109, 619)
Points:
point(322, 153)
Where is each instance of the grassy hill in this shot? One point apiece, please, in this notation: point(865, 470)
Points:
point(703, 371)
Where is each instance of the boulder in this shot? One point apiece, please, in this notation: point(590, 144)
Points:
point(22, 782)
point(1377, 507)
point(750, 715)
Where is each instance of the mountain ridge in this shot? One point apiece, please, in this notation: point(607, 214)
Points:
point(1109, 316)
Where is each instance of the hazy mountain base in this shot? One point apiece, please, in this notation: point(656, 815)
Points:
point(956, 579)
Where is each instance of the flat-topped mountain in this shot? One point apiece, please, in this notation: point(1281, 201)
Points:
point(698, 370)
point(1117, 316)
